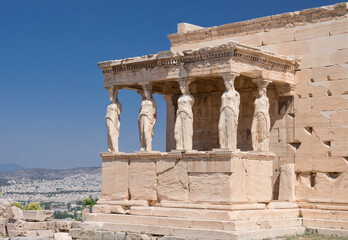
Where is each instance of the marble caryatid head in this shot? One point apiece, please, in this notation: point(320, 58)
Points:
point(184, 87)
point(229, 84)
point(262, 87)
point(147, 91)
point(113, 94)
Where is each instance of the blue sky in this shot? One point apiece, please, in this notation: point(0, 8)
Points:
point(52, 100)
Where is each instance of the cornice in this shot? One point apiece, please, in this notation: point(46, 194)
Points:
point(306, 16)
point(233, 50)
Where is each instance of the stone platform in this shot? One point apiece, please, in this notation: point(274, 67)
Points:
point(214, 177)
point(248, 221)
point(206, 221)
point(201, 195)
point(215, 194)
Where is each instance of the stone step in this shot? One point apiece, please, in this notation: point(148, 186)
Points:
point(270, 233)
point(31, 233)
point(329, 231)
point(195, 223)
point(241, 206)
point(324, 214)
point(325, 223)
point(280, 223)
point(30, 238)
point(214, 214)
point(111, 230)
point(324, 206)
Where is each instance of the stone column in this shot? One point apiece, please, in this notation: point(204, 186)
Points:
point(260, 128)
point(229, 112)
point(287, 182)
point(171, 101)
point(183, 129)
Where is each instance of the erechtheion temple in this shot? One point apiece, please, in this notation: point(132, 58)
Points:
point(256, 133)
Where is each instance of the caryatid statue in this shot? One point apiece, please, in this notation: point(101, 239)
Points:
point(147, 119)
point(183, 130)
point(229, 112)
point(260, 128)
point(112, 119)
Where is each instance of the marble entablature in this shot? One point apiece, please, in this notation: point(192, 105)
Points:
point(207, 61)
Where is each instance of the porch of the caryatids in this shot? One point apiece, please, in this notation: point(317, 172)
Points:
point(112, 119)
point(260, 128)
point(229, 112)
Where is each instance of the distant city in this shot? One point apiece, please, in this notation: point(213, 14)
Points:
point(55, 186)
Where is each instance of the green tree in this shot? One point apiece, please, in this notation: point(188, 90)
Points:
point(33, 206)
point(89, 202)
point(17, 204)
point(77, 216)
point(46, 205)
point(62, 215)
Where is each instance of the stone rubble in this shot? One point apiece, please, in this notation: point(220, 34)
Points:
point(32, 224)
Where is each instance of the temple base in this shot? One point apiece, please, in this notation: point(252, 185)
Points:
point(215, 177)
point(219, 194)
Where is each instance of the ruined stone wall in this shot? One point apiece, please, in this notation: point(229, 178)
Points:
point(313, 131)
point(34, 224)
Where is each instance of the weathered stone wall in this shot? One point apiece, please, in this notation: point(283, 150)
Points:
point(208, 177)
point(313, 130)
point(206, 112)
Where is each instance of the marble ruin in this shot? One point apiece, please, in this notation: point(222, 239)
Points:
point(256, 138)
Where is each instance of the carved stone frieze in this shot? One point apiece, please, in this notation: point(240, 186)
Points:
point(201, 62)
point(229, 50)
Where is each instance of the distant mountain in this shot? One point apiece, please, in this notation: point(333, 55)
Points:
point(9, 167)
point(40, 173)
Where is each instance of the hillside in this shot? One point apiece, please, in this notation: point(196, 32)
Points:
point(48, 174)
point(10, 167)
point(46, 185)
